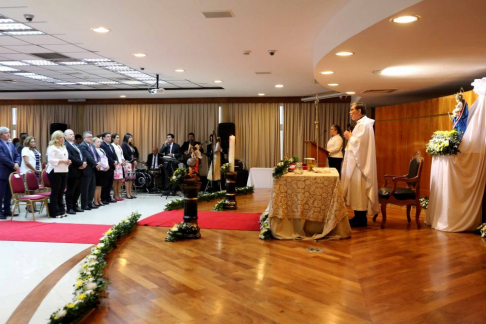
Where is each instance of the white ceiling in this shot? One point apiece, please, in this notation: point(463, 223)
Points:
point(175, 34)
point(445, 45)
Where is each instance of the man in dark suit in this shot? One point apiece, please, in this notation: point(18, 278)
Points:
point(89, 181)
point(112, 162)
point(173, 150)
point(9, 162)
point(75, 174)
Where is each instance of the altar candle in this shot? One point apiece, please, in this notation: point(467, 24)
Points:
point(231, 153)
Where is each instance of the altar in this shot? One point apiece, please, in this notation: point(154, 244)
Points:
point(308, 206)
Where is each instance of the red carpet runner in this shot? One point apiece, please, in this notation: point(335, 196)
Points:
point(207, 220)
point(51, 232)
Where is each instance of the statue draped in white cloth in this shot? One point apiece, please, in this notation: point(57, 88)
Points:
point(359, 179)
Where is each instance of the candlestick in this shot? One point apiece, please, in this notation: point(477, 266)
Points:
point(231, 153)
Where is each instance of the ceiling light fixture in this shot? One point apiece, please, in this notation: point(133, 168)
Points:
point(179, 70)
point(344, 53)
point(65, 83)
point(326, 72)
point(350, 92)
point(22, 33)
point(39, 62)
point(261, 94)
point(333, 84)
point(15, 26)
point(123, 96)
point(405, 19)
point(13, 63)
point(100, 29)
point(218, 81)
point(8, 69)
point(399, 71)
point(87, 83)
point(139, 54)
point(279, 86)
point(73, 63)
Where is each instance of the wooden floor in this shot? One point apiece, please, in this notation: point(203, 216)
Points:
point(396, 275)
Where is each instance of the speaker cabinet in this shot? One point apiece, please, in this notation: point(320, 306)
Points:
point(224, 132)
point(57, 126)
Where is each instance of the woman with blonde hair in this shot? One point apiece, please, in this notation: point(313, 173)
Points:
point(57, 171)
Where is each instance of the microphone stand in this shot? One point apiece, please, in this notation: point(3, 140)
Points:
point(316, 122)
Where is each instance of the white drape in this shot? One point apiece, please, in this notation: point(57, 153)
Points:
point(457, 182)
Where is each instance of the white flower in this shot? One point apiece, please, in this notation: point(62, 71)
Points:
point(91, 286)
point(101, 245)
point(280, 164)
point(61, 313)
point(88, 292)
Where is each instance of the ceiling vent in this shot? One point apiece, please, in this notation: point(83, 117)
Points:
point(52, 56)
point(380, 91)
point(218, 14)
point(263, 72)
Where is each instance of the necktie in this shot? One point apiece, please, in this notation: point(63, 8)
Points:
point(170, 150)
point(77, 149)
point(94, 155)
point(10, 150)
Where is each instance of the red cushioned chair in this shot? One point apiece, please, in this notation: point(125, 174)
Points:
point(19, 195)
point(34, 188)
point(45, 180)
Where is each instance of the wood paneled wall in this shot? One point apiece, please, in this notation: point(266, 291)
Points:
point(401, 130)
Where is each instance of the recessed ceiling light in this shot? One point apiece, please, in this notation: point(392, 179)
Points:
point(405, 19)
point(123, 96)
point(327, 72)
point(333, 84)
point(73, 63)
point(100, 29)
point(88, 83)
point(350, 92)
point(65, 83)
point(97, 60)
point(344, 53)
point(8, 69)
point(261, 94)
point(139, 54)
point(179, 70)
point(279, 86)
point(399, 71)
point(218, 81)
point(16, 27)
point(22, 33)
point(13, 63)
point(39, 62)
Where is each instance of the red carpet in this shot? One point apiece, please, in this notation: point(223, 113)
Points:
point(207, 220)
point(51, 232)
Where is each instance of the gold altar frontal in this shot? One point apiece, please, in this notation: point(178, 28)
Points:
point(308, 206)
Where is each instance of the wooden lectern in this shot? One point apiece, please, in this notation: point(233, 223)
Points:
point(311, 150)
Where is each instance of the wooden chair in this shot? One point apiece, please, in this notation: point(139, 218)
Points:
point(403, 196)
point(19, 195)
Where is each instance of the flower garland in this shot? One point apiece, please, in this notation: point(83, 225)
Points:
point(219, 205)
point(179, 203)
point(178, 176)
point(283, 167)
point(482, 230)
point(91, 280)
point(178, 231)
point(444, 143)
point(225, 168)
point(265, 232)
point(424, 202)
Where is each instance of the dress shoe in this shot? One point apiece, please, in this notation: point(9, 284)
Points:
point(105, 202)
point(87, 208)
point(358, 222)
point(134, 197)
point(2, 216)
point(71, 212)
point(113, 201)
point(78, 210)
point(165, 193)
point(94, 207)
point(119, 199)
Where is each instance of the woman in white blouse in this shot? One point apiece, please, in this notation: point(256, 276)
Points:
point(118, 177)
point(57, 171)
point(101, 174)
point(31, 157)
point(335, 148)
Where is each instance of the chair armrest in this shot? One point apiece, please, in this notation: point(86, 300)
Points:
point(404, 179)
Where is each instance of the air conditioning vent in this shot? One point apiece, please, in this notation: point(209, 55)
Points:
point(218, 14)
point(263, 72)
point(52, 56)
point(380, 91)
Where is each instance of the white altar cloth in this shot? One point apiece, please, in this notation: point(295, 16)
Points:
point(260, 178)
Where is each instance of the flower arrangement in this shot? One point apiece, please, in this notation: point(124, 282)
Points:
point(265, 232)
point(444, 143)
point(178, 176)
point(283, 167)
point(424, 202)
point(482, 230)
point(179, 231)
point(225, 168)
point(179, 203)
point(91, 281)
point(219, 205)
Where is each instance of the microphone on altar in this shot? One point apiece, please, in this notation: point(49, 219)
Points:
point(320, 135)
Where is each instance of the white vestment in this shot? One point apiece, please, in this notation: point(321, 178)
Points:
point(359, 179)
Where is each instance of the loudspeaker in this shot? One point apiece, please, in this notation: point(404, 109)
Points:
point(57, 126)
point(224, 132)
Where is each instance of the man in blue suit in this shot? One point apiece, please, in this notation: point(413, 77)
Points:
point(9, 162)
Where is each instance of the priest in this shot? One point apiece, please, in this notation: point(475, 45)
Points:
point(359, 180)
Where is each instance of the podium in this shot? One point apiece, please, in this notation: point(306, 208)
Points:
point(312, 149)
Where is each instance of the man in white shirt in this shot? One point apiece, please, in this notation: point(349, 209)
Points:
point(359, 179)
